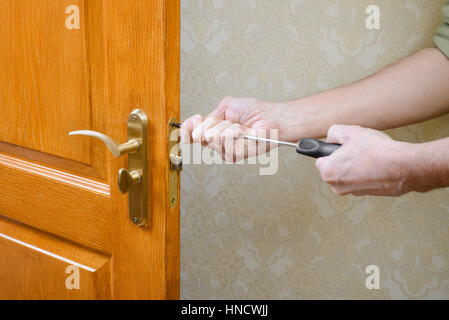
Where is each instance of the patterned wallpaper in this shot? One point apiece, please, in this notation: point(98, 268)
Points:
point(286, 236)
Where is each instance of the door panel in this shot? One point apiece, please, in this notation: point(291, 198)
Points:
point(37, 195)
point(45, 67)
point(59, 200)
point(34, 265)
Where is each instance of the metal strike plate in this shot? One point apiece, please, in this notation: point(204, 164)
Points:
point(175, 162)
point(138, 192)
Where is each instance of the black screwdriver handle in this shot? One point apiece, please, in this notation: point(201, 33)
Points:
point(316, 148)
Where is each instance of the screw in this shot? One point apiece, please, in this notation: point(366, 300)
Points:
point(134, 117)
point(135, 220)
point(173, 201)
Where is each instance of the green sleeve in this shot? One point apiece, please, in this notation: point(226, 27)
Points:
point(441, 39)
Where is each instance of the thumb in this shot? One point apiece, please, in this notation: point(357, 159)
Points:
point(320, 163)
point(338, 133)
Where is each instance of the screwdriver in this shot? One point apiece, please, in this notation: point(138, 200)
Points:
point(309, 147)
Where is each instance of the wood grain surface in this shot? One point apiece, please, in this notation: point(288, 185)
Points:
point(59, 200)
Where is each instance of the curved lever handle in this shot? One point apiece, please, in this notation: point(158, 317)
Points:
point(116, 148)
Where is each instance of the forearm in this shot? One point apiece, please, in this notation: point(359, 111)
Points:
point(411, 91)
point(426, 165)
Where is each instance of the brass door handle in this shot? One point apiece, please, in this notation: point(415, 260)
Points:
point(126, 179)
point(135, 179)
point(116, 148)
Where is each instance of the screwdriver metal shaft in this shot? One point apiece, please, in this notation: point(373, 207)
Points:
point(308, 147)
point(282, 143)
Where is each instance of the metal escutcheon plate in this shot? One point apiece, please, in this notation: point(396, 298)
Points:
point(138, 161)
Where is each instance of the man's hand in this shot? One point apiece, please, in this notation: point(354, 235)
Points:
point(233, 117)
point(368, 163)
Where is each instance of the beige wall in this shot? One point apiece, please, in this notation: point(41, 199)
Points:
point(287, 236)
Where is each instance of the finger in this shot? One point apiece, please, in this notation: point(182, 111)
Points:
point(236, 145)
point(187, 128)
point(241, 150)
point(200, 129)
point(339, 190)
point(229, 139)
point(342, 189)
point(213, 135)
point(262, 146)
point(327, 171)
point(341, 133)
point(251, 148)
point(319, 163)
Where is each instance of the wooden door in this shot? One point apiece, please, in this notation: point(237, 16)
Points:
point(60, 208)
